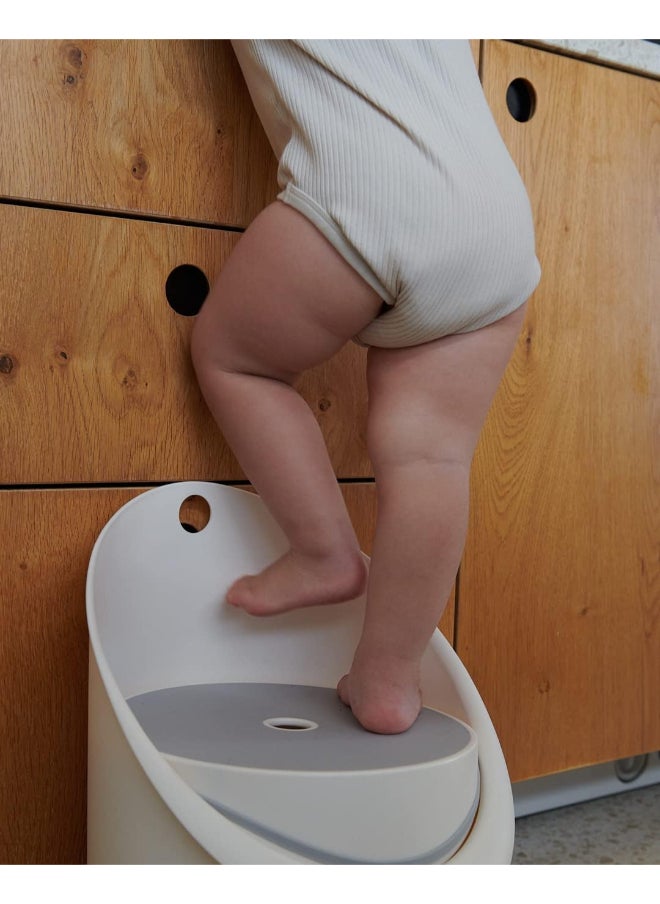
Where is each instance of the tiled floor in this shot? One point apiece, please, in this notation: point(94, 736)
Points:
point(623, 828)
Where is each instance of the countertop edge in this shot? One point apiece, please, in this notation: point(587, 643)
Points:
point(637, 56)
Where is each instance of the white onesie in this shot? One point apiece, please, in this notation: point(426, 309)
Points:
point(390, 149)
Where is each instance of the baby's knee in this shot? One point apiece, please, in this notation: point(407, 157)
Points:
point(415, 417)
point(210, 354)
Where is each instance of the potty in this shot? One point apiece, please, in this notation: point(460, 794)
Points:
point(217, 737)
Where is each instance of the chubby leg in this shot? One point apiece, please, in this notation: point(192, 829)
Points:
point(427, 405)
point(284, 302)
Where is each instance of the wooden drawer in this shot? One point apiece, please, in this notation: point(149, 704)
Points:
point(159, 127)
point(558, 611)
point(96, 384)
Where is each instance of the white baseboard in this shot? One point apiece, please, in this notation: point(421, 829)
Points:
point(576, 785)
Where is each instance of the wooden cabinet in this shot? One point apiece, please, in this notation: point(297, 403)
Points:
point(559, 601)
point(123, 160)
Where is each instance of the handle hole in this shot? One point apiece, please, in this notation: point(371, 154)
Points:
point(186, 289)
point(194, 514)
point(521, 99)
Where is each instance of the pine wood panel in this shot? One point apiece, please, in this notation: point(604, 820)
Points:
point(159, 127)
point(96, 384)
point(559, 605)
point(43, 661)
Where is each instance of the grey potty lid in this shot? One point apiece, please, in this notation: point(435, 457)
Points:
point(286, 727)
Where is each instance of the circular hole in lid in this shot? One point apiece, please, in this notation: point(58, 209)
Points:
point(194, 514)
point(290, 723)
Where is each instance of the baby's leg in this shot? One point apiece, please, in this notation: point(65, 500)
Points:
point(284, 302)
point(426, 408)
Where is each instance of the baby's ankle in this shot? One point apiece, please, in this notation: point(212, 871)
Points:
point(381, 659)
point(345, 561)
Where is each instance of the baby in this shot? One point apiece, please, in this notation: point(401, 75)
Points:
point(402, 224)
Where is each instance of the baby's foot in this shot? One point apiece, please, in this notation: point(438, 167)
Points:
point(384, 696)
point(297, 580)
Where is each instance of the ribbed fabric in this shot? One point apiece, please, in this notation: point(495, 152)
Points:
point(390, 149)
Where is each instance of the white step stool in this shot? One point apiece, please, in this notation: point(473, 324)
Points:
point(218, 737)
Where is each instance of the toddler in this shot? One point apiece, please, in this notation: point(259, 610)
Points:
point(402, 224)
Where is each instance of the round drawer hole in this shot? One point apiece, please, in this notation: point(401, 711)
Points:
point(186, 289)
point(521, 99)
point(289, 723)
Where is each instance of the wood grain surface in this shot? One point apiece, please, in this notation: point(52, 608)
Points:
point(96, 383)
point(49, 537)
point(156, 127)
point(559, 601)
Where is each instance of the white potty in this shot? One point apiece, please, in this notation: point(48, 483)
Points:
point(217, 737)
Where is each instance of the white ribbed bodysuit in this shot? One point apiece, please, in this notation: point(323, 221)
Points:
point(390, 149)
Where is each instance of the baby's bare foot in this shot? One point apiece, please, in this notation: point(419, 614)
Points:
point(296, 580)
point(384, 696)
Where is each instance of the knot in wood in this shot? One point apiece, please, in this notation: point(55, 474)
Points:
point(75, 57)
point(139, 167)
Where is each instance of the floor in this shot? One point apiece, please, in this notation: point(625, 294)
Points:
point(623, 829)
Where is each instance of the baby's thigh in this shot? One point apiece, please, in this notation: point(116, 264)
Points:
point(430, 401)
point(285, 300)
